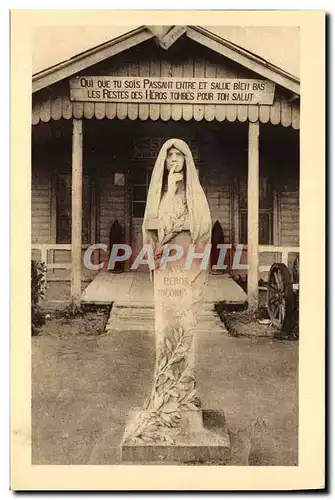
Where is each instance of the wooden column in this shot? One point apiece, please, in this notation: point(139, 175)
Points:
point(53, 215)
point(236, 218)
point(253, 214)
point(77, 190)
point(276, 217)
point(127, 215)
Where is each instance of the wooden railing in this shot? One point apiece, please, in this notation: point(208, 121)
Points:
point(284, 251)
point(44, 248)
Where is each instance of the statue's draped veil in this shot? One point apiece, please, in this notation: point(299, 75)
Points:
point(199, 214)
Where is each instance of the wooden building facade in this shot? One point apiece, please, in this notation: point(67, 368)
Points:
point(91, 161)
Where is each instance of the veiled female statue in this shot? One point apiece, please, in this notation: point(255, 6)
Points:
point(177, 202)
point(175, 197)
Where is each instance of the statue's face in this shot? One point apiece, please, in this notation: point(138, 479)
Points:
point(175, 158)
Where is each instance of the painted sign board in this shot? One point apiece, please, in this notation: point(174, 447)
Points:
point(171, 90)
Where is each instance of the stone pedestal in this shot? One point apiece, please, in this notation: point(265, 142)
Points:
point(171, 427)
point(200, 437)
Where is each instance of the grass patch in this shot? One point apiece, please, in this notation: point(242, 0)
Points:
point(69, 321)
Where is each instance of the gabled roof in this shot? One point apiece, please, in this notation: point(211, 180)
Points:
point(198, 34)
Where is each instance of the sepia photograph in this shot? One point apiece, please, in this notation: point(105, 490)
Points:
point(165, 238)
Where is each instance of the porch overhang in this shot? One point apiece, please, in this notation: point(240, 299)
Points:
point(198, 34)
point(54, 108)
point(51, 94)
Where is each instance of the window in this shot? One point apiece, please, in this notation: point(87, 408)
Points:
point(63, 222)
point(265, 210)
point(140, 182)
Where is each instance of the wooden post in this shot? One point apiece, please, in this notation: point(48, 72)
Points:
point(236, 218)
point(275, 224)
point(53, 215)
point(127, 215)
point(77, 189)
point(253, 214)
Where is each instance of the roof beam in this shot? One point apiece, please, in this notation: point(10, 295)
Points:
point(89, 58)
point(165, 36)
point(253, 63)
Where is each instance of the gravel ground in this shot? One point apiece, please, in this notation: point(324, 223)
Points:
point(84, 383)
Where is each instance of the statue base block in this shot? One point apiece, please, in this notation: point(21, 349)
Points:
point(201, 438)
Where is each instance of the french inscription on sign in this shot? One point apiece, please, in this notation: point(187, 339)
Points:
point(171, 90)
